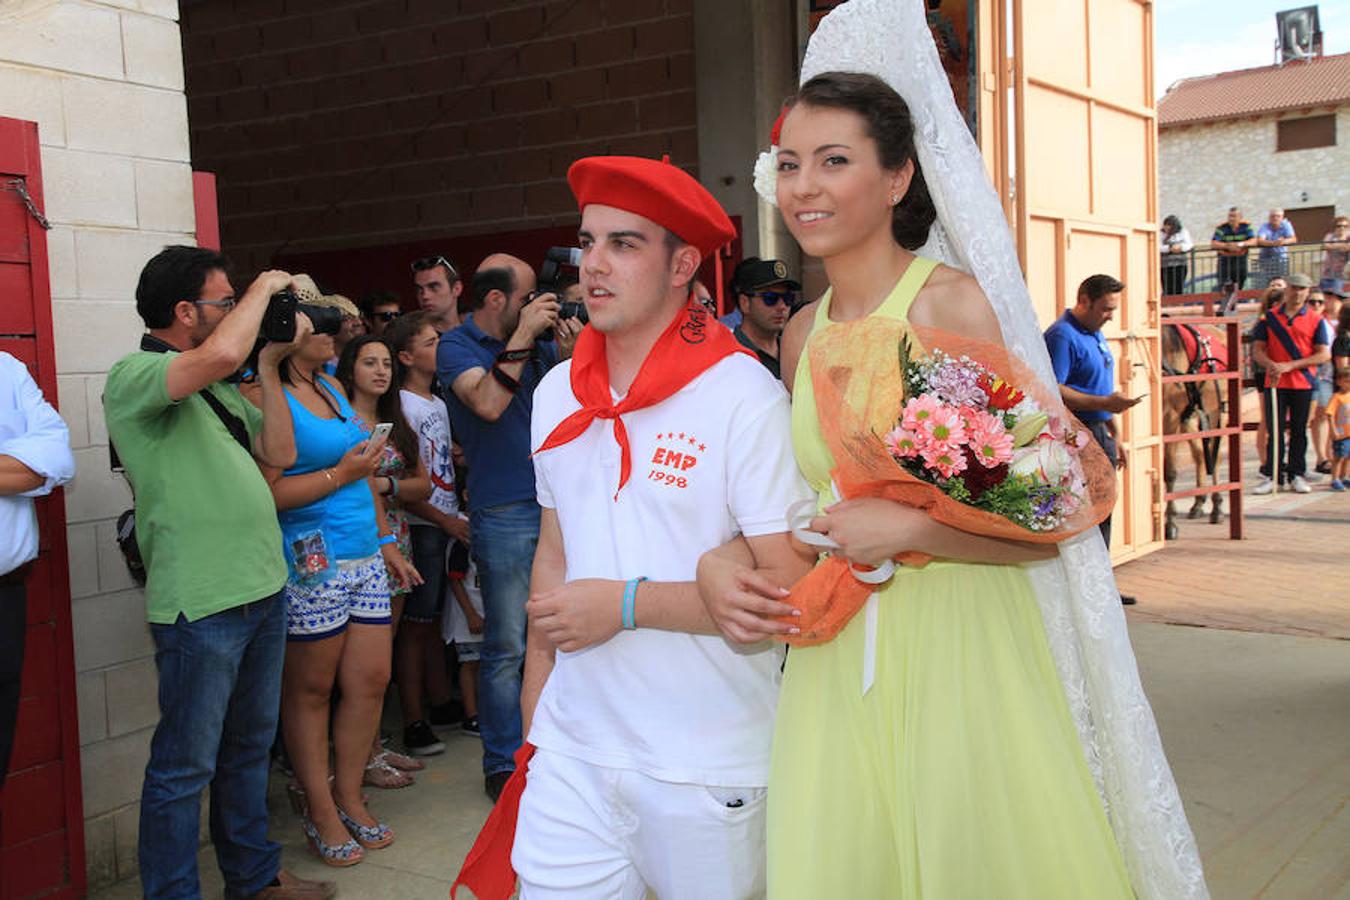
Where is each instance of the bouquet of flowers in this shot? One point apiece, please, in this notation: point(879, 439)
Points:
point(985, 443)
point(952, 425)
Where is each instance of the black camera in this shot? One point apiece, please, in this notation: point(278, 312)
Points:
point(549, 281)
point(278, 324)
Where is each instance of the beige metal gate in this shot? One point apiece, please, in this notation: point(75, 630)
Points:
point(1069, 135)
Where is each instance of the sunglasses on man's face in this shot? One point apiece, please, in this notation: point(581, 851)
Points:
point(431, 262)
point(773, 298)
point(388, 316)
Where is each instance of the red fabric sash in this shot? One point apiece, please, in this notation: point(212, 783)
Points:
point(692, 343)
point(487, 869)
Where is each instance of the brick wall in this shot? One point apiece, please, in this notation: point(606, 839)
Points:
point(104, 82)
point(358, 123)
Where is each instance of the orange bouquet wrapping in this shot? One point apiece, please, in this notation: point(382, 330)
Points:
point(951, 425)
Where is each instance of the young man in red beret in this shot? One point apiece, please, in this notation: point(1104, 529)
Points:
point(661, 440)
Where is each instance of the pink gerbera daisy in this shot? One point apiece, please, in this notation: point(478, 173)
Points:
point(944, 459)
point(901, 444)
point(917, 412)
point(991, 446)
point(946, 426)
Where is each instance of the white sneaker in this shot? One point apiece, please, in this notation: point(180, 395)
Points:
point(1301, 485)
point(1264, 486)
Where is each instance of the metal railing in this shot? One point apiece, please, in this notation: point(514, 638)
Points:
point(1202, 266)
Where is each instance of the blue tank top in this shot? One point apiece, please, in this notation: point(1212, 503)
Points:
point(346, 517)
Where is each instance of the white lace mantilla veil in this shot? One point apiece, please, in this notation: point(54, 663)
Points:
point(1079, 601)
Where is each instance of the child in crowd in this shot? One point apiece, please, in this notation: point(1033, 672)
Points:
point(1338, 417)
point(418, 652)
point(464, 627)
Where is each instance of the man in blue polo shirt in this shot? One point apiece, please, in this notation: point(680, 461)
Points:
point(1085, 368)
point(1274, 237)
point(1290, 342)
point(490, 366)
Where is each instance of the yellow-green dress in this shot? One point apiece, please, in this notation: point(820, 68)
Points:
point(959, 775)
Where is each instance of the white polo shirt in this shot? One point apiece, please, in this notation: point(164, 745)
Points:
point(712, 461)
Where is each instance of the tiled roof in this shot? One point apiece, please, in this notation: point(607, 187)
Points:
point(1324, 81)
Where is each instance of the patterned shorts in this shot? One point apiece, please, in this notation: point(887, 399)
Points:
point(359, 592)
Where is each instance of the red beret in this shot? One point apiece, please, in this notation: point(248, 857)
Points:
point(659, 191)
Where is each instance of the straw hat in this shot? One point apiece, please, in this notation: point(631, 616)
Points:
point(306, 291)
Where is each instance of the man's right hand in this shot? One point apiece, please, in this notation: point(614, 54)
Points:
point(538, 316)
point(1118, 402)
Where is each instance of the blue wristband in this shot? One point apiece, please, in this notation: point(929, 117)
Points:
point(387, 539)
point(630, 601)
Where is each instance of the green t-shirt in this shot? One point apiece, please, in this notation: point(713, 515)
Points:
point(206, 522)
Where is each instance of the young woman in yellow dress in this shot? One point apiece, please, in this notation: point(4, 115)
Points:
point(959, 773)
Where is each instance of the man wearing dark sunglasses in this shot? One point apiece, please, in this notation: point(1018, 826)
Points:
point(379, 308)
point(438, 289)
point(765, 296)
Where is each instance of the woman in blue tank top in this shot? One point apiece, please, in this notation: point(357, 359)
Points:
point(337, 604)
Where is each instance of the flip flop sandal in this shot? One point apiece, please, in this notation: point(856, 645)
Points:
point(402, 761)
point(382, 775)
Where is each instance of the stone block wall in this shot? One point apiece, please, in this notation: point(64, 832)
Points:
point(104, 82)
point(426, 119)
point(1204, 169)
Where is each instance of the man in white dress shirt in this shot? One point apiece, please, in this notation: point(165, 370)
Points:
point(35, 458)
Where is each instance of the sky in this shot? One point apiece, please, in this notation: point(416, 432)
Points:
point(1201, 37)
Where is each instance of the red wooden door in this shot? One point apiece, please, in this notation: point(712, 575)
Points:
point(41, 815)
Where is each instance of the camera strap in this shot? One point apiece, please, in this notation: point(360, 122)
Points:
point(233, 424)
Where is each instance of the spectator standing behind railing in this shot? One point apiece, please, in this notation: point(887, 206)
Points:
point(1231, 240)
point(1174, 242)
point(35, 458)
point(1274, 237)
point(1335, 256)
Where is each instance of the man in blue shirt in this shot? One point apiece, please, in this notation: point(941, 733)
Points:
point(1085, 368)
point(489, 368)
point(1273, 237)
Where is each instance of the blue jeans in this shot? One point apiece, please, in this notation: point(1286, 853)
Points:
point(1102, 432)
point(503, 541)
point(219, 690)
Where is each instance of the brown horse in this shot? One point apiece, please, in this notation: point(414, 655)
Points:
point(1192, 406)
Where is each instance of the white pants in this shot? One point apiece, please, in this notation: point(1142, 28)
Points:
point(586, 832)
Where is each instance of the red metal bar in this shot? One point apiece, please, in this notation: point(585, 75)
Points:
point(1202, 376)
point(1226, 431)
point(1226, 487)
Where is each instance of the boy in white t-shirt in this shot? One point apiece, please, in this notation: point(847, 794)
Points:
point(418, 653)
point(661, 440)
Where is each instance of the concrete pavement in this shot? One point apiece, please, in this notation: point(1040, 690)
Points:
point(1257, 727)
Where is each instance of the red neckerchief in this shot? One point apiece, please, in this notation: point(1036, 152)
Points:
point(693, 343)
point(487, 869)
